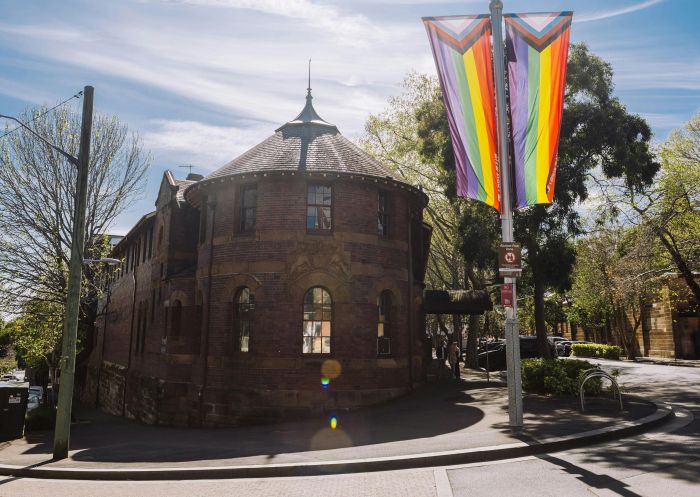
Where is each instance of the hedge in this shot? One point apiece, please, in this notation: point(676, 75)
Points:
point(596, 350)
point(557, 376)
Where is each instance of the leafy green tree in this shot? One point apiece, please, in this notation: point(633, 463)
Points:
point(615, 275)
point(37, 197)
point(412, 138)
point(598, 138)
point(36, 335)
point(667, 211)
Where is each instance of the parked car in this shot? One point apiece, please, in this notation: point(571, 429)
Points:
point(493, 345)
point(553, 341)
point(563, 349)
point(496, 357)
point(32, 402)
point(38, 391)
point(19, 374)
point(560, 347)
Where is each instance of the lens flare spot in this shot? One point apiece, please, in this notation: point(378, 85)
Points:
point(325, 381)
point(334, 422)
point(331, 368)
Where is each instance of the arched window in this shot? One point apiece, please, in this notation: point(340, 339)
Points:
point(243, 307)
point(317, 321)
point(176, 318)
point(384, 323)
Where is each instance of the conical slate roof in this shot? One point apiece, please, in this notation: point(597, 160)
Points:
point(307, 143)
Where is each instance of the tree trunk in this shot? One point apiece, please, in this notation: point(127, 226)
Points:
point(622, 325)
point(682, 265)
point(540, 326)
point(471, 359)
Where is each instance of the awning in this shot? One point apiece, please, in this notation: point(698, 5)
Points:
point(456, 301)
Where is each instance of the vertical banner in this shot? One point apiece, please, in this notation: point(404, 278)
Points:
point(537, 47)
point(462, 49)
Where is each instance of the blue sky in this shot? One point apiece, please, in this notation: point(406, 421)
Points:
point(202, 81)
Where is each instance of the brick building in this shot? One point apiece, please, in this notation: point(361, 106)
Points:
point(289, 281)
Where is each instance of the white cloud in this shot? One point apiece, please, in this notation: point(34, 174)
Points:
point(635, 71)
point(20, 91)
point(212, 60)
point(204, 146)
point(660, 120)
point(355, 30)
point(44, 32)
point(597, 16)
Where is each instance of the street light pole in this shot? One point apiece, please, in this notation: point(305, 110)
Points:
point(70, 328)
point(515, 395)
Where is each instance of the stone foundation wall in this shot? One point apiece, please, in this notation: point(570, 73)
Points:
point(157, 402)
point(111, 379)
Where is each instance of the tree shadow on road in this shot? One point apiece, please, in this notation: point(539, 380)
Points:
point(591, 479)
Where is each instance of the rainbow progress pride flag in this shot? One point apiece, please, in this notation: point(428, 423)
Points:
point(462, 49)
point(537, 47)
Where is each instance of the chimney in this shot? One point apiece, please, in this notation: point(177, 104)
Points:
point(194, 177)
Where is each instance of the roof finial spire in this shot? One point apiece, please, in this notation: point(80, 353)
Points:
point(309, 87)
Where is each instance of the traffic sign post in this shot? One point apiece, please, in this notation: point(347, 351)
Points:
point(509, 259)
point(515, 394)
point(507, 295)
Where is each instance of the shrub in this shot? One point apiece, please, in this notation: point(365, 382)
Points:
point(7, 364)
point(557, 377)
point(596, 350)
point(41, 418)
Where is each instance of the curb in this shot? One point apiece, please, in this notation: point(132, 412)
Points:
point(448, 458)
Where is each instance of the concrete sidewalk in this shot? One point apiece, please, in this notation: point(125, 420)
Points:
point(665, 361)
point(444, 418)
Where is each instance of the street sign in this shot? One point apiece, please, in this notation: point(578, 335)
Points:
point(507, 295)
point(509, 261)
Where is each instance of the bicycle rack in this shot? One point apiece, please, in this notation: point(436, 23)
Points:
point(597, 372)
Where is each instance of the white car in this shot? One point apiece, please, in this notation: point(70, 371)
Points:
point(32, 402)
point(38, 391)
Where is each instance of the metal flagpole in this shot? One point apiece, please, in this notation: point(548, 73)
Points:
point(515, 396)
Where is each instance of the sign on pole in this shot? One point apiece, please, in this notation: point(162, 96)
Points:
point(509, 259)
point(507, 295)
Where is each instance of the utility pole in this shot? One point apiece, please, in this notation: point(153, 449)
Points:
point(515, 395)
point(70, 329)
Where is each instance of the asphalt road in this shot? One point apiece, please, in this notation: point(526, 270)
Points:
point(665, 462)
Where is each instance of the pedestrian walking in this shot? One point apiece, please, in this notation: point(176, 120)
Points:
point(453, 358)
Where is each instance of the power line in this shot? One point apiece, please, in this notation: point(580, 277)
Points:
point(77, 95)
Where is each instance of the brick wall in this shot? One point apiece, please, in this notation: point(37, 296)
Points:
point(200, 376)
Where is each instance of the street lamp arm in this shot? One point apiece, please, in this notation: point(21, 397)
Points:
point(65, 154)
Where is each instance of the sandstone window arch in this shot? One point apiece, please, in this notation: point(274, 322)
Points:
point(316, 329)
point(243, 302)
point(384, 319)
